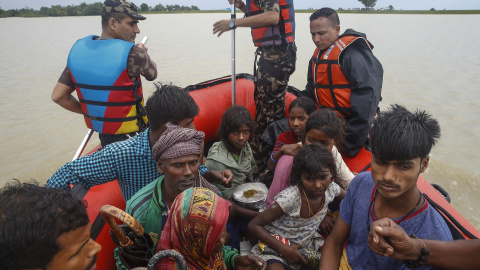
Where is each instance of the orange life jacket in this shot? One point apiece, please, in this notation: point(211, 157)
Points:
point(331, 87)
point(274, 35)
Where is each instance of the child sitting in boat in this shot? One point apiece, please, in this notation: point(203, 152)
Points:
point(233, 152)
point(287, 230)
point(323, 127)
point(288, 142)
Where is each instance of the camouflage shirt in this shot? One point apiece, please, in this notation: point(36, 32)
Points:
point(138, 63)
point(268, 5)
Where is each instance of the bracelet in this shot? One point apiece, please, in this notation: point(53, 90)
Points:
point(271, 157)
point(423, 256)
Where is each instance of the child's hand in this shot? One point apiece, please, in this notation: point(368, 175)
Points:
point(292, 255)
point(326, 225)
point(291, 149)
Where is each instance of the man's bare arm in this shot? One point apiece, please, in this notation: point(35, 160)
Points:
point(62, 95)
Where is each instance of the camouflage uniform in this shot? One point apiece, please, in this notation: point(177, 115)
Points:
point(138, 63)
point(275, 65)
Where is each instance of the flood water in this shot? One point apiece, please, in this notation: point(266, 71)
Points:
point(430, 62)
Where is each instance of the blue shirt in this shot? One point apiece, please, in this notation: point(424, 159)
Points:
point(130, 162)
point(425, 223)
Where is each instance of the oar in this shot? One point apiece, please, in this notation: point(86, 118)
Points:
point(234, 76)
point(83, 144)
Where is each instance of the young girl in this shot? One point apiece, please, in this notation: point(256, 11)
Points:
point(323, 127)
point(287, 230)
point(233, 152)
point(287, 142)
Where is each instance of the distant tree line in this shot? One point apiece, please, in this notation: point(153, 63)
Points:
point(83, 9)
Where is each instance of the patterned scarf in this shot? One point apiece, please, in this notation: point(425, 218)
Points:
point(195, 223)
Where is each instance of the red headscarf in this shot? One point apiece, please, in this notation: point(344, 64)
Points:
point(195, 223)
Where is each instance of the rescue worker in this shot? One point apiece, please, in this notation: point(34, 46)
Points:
point(105, 71)
point(272, 24)
point(343, 74)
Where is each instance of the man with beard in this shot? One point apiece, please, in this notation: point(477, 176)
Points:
point(44, 228)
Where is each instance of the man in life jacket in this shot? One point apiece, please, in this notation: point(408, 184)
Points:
point(272, 23)
point(105, 71)
point(343, 74)
point(44, 228)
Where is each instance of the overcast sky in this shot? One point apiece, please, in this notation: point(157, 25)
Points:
point(299, 4)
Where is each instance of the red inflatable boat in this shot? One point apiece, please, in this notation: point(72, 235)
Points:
point(214, 97)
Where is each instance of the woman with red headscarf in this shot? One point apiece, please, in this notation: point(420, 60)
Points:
point(196, 228)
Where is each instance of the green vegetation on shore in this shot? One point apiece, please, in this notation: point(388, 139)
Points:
point(96, 9)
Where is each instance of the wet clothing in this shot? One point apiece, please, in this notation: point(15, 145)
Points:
point(425, 223)
point(297, 229)
point(130, 162)
point(275, 65)
point(136, 63)
point(219, 158)
point(197, 219)
point(358, 96)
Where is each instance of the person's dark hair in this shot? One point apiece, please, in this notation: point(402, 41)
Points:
point(328, 13)
point(328, 122)
point(233, 119)
point(398, 134)
point(118, 16)
point(305, 103)
point(311, 159)
point(169, 103)
point(31, 219)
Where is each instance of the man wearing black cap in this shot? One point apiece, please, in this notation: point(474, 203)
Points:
point(105, 71)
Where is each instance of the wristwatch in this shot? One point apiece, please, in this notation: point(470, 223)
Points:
point(231, 24)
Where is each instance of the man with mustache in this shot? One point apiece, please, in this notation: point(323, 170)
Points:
point(401, 142)
point(343, 74)
point(44, 228)
point(177, 153)
point(105, 71)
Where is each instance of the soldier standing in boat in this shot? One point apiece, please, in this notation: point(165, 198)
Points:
point(273, 31)
point(343, 74)
point(105, 71)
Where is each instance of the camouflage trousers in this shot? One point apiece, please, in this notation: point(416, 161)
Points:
point(275, 65)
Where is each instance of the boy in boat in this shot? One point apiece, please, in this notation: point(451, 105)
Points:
point(272, 23)
point(105, 71)
point(344, 75)
point(176, 153)
point(400, 141)
point(44, 228)
point(131, 161)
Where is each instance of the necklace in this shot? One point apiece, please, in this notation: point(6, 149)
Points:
point(308, 203)
point(409, 213)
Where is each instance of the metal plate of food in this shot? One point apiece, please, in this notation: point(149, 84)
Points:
point(251, 195)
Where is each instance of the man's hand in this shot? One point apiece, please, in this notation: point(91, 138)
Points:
point(142, 46)
point(249, 262)
point(225, 177)
point(220, 27)
point(388, 239)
